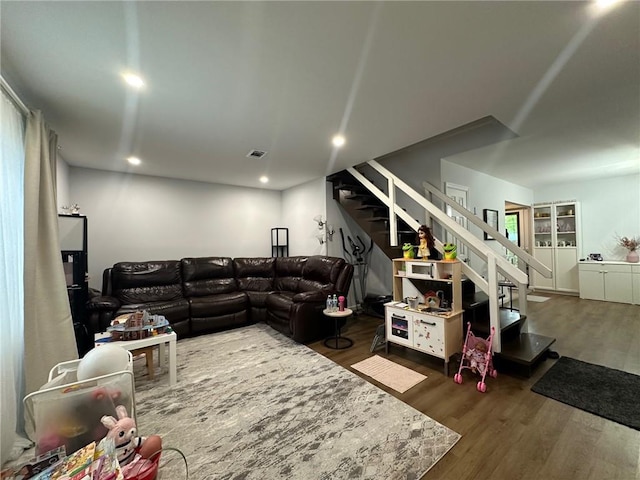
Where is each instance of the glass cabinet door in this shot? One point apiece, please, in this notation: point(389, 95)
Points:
point(565, 225)
point(542, 231)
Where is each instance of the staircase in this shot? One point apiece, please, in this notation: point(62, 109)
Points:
point(515, 349)
point(370, 213)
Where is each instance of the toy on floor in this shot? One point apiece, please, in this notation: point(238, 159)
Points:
point(477, 357)
point(129, 447)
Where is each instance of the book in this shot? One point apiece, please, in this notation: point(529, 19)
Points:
point(105, 462)
point(36, 466)
point(76, 466)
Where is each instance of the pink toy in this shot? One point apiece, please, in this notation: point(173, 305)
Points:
point(477, 357)
point(123, 432)
point(341, 303)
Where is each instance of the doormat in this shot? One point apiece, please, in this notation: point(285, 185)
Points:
point(536, 298)
point(603, 391)
point(389, 373)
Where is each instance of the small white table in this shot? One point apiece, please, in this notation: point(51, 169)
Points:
point(161, 341)
point(337, 341)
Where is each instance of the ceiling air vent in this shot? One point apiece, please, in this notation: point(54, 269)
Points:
point(256, 154)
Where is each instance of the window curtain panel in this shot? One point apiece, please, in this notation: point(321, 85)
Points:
point(11, 260)
point(48, 327)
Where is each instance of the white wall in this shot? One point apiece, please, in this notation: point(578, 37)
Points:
point(138, 218)
point(299, 205)
point(609, 206)
point(62, 183)
point(485, 191)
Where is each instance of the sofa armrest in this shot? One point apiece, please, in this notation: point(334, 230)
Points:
point(317, 296)
point(100, 311)
point(103, 303)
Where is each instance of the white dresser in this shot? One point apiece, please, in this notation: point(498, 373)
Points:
point(610, 281)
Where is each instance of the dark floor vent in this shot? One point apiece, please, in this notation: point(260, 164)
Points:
point(256, 154)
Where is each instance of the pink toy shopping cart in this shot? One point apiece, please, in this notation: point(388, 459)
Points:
point(477, 357)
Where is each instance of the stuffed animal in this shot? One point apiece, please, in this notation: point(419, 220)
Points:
point(450, 251)
point(123, 432)
point(407, 251)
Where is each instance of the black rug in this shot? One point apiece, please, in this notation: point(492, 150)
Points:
point(603, 391)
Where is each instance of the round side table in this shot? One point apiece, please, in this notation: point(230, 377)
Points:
point(337, 341)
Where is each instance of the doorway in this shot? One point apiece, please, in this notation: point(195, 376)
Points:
point(517, 220)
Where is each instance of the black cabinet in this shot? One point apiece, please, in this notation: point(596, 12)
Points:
point(72, 231)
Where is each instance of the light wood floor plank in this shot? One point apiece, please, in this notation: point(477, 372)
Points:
point(511, 432)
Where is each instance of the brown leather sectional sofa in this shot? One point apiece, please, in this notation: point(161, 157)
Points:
point(206, 294)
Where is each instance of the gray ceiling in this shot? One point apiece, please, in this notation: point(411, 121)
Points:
point(226, 77)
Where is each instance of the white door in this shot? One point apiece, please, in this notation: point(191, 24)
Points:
point(459, 194)
point(545, 256)
point(566, 271)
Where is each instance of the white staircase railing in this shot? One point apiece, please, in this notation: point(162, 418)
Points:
point(496, 264)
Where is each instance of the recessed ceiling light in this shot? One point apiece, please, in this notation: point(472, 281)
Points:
point(134, 160)
point(133, 80)
point(264, 179)
point(605, 3)
point(338, 141)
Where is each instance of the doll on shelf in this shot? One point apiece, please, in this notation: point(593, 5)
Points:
point(426, 244)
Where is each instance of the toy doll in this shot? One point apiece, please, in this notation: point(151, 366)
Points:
point(426, 243)
point(478, 357)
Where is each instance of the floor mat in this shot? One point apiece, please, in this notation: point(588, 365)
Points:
point(389, 373)
point(603, 391)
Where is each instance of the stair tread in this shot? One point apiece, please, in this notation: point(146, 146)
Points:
point(508, 320)
point(370, 207)
point(526, 349)
point(355, 196)
point(400, 232)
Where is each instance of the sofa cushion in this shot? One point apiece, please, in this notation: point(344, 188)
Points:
point(143, 282)
point(255, 274)
point(174, 310)
point(220, 304)
point(289, 273)
point(280, 303)
point(320, 273)
point(208, 276)
point(279, 306)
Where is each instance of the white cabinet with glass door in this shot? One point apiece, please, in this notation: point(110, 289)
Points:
point(556, 240)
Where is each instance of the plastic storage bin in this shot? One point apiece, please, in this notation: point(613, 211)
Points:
point(67, 412)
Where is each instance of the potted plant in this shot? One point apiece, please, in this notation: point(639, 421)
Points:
point(631, 244)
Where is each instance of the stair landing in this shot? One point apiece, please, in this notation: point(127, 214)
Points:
point(526, 350)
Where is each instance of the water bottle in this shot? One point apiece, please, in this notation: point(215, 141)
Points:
point(329, 303)
point(335, 302)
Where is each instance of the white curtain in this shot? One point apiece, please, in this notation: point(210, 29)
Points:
point(48, 326)
point(11, 268)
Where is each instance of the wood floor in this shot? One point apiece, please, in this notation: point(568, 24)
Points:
point(511, 432)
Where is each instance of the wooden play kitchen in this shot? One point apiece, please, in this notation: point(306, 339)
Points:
point(434, 326)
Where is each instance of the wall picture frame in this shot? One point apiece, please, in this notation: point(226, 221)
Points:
point(490, 217)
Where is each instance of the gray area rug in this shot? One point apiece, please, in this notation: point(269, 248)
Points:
point(252, 404)
point(603, 391)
